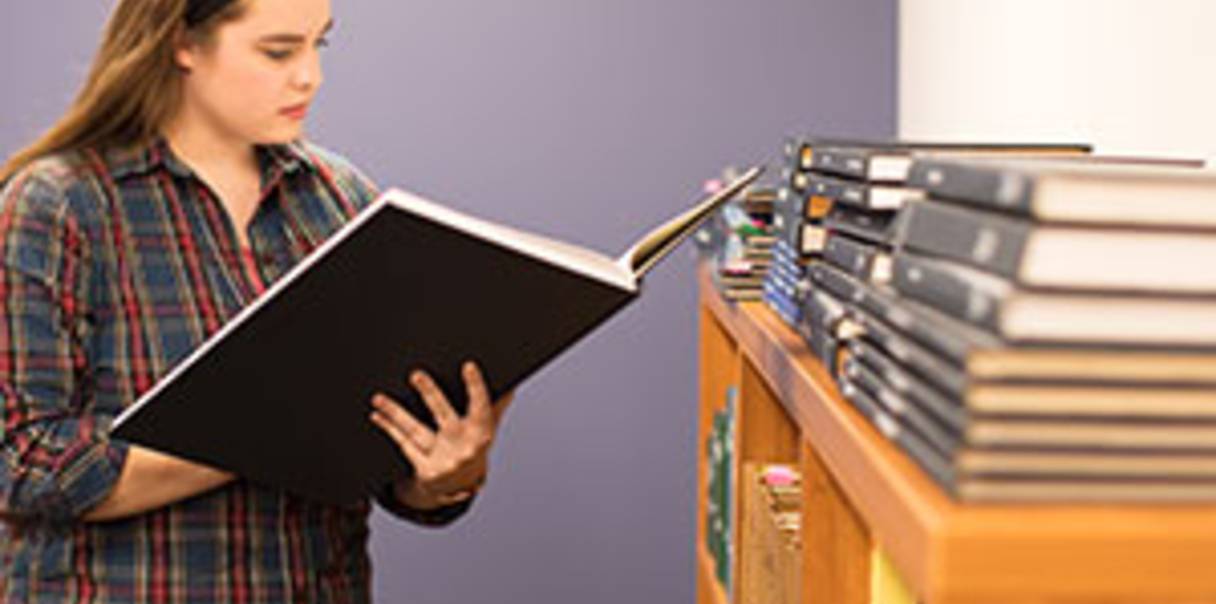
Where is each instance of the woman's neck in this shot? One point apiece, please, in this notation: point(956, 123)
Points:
point(228, 167)
point(207, 151)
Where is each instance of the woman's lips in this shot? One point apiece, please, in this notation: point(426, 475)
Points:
point(296, 112)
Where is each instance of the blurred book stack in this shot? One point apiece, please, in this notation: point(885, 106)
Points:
point(863, 187)
point(797, 218)
point(738, 241)
point(1048, 332)
point(771, 541)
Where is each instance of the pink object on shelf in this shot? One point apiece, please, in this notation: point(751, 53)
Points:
point(779, 476)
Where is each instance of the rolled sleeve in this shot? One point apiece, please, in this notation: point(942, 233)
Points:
point(56, 459)
point(435, 518)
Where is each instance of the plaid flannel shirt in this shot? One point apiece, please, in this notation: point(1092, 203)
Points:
point(114, 266)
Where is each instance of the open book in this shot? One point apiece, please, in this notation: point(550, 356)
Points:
point(280, 395)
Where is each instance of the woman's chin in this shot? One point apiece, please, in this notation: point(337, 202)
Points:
point(281, 137)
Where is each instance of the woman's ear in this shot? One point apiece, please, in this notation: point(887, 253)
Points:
point(185, 51)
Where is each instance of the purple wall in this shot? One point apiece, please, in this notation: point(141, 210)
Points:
point(584, 120)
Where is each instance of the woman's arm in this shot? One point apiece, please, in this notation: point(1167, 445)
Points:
point(150, 480)
point(57, 461)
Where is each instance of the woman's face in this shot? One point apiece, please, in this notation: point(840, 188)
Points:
point(256, 78)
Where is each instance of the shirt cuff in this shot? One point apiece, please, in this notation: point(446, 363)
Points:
point(82, 479)
point(436, 517)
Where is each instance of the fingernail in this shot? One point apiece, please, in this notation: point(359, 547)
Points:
point(469, 369)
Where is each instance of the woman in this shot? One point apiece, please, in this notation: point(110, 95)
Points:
point(173, 190)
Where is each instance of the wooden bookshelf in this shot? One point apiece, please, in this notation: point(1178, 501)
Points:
point(861, 490)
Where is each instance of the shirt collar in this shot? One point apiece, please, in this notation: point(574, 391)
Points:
point(142, 159)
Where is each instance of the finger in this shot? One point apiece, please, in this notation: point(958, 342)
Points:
point(418, 432)
point(478, 393)
point(412, 451)
point(434, 398)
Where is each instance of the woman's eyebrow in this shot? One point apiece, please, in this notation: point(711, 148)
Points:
point(293, 38)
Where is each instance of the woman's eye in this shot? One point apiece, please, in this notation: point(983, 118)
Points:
point(278, 54)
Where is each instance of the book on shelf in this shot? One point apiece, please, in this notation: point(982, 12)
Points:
point(1062, 256)
point(280, 394)
point(864, 195)
point(1106, 429)
point(1022, 315)
point(952, 354)
point(805, 149)
point(1036, 398)
point(892, 162)
point(875, 227)
point(1078, 472)
point(770, 544)
point(821, 317)
point(864, 260)
point(1102, 190)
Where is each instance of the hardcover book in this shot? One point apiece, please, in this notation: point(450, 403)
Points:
point(1061, 317)
point(1088, 189)
point(1062, 256)
point(892, 162)
point(280, 394)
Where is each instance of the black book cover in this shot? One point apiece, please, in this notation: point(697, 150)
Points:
point(281, 394)
point(986, 240)
point(1137, 190)
point(944, 406)
point(950, 338)
point(857, 258)
point(866, 225)
point(968, 295)
point(821, 314)
point(985, 185)
point(891, 162)
point(939, 467)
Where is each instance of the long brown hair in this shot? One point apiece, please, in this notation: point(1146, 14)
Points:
point(134, 84)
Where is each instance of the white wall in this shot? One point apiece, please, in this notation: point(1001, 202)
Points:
point(1130, 76)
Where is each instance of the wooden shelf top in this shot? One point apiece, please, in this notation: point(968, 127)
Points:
point(950, 552)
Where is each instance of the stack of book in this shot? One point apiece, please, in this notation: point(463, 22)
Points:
point(720, 499)
point(1048, 333)
point(772, 537)
point(864, 186)
point(740, 242)
point(796, 216)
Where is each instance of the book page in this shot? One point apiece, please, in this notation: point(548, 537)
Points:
point(657, 243)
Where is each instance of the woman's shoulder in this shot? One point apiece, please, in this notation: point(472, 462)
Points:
point(354, 182)
point(337, 165)
point(50, 183)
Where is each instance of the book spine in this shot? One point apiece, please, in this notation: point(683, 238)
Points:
point(991, 188)
point(906, 409)
point(981, 239)
point(849, 255)
point(942, 404)
point(932, 463)
point(850, 163)
point(835, 282)
point(866, 225)
point(821, 314)
point(913, 355)
point(946, 291)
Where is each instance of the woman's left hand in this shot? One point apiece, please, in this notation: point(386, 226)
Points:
point(451, 462)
